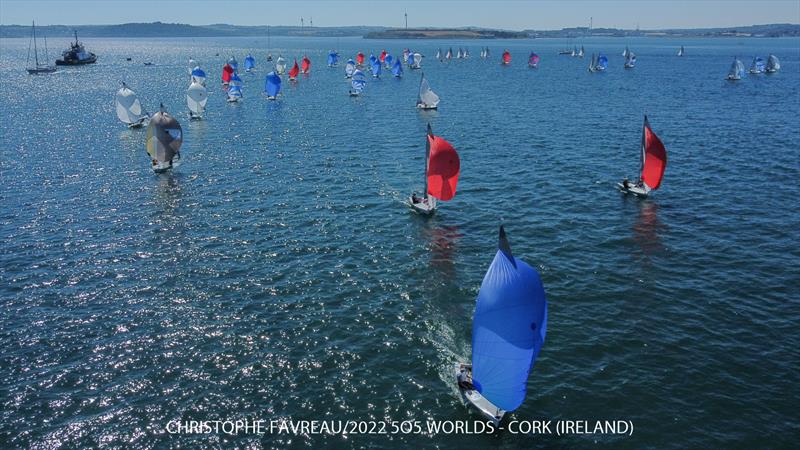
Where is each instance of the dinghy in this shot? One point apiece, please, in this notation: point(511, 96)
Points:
point(235, 88)
point(388, 62)
point(249, 63)
point(574, 52)
point(333, 59)
point(272, 85)
point(653, 162)
point(459, 55)
point(416, 61)
point(439, 54)
point(487, 52)
point(482, 54)
point(280, 65)
point(306, 66)
point(466, 53)
point(630, 60)
point(427, 98)
point(736, 72)
point(757, 66)
point(227, 71)
point(38, 67)
point(196, 99)
point(198, 76)
point(349, 68)
point(129, 109)
point(598, 63)
point(508, 331)
point(506, 58)
point(360, 59)
point(164, 139)
point(294, 71)
point(397, 68)
point(581, 52)
point(773, 65)
point(442, 168)
point(406, 55)
point(192, 64)
point(533, 61)
point(358, 81)
point(449, 55)
point(382, 56)
point(376, 69)
point(680, 51)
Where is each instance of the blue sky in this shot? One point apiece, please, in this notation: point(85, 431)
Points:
point(514, 15)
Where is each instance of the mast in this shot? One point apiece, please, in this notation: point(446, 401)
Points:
point(35, 49)
point(427, 156)
point(641, 157)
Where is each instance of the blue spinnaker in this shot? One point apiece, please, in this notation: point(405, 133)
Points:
point(389, 60)
point(273, 84)
point(249, 62)
point(333, 58)
point(358, 81)
point(508, 328)
point(602, 61)
point(376, 68)
point(234, 91)
point(198, 72)
point(397, 69)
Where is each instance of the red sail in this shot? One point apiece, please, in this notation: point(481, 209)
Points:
point(383, 56)
point(655, 158)
point(506, 57)
point(306, 64)
point(227, 71)
point(360, 58)
point(443, 168)
point(294, 71)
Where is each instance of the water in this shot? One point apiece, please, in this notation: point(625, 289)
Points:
point(277, 274)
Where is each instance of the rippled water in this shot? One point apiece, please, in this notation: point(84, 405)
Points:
point(277, 273)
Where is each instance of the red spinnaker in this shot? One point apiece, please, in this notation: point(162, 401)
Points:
point(655, 158)
point(443, 169)
point(227, 71)
point(306, 64)
point(506, 57)
point(383, 56)
point(360, 58)
point(294, 71)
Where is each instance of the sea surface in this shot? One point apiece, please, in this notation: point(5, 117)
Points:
point(277, 273)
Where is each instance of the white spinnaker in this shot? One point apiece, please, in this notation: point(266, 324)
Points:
point(426, 95)
point(129, 110)
point(196, 98)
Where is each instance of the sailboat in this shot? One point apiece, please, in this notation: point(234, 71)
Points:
point(508, 331)
point(39, 67)
point(198, 76)
point(360, 59)
point(196, 99)
point(459, 55)
point(506, 58)
point(442, 168)
point(680, 51)
point(598, 63)
point(482, 54)
point(227, 71)
point(625, 52)
point(333, 59)
point(487, 52)
point(466, 53)
point(269, 53)
point(192, 64)
point(306, 65)
point(773, 65)
point(574, 52)
point(439, 54)
point(533, 61)
point(272, 85)
point(129, 109)
point(397, 68)
point(757, 66)
point(280, 65)
point(449, 55)
point(427, 99)
point(630, 60)
point(358, 81)
point(235, 88)
point(736, 72)
point(349, 68)
point(388, 61)
point(234, 65)
point(164, 139)
point(417, 61)
point(382, 56)
point(376, 68)
point(294, 71)
point(653, 162)
point(249, 63)
point(581, 52)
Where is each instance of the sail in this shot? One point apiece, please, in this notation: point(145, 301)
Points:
point(306, 67)
point(625, 52)
point(758, 65)
point(360, 58)
point(349, 68)
point(332, 58)
point(655, 157)
point(234, 65)
point(533, 60)
point(382, 56)
point(294, 70)
point(680, 51)
point(372, 59)
point(249, 63)
point(397, 68)
point(358, 81)
point(129, 109)
point(602, 62)
point(198, 76)
point(506, 57)
point(376, 68)
point(227, 71)
point(426, 95)
point(235, 80)
point(439, 54)
point(389, 61)
point(737, 70)
point(449, 54)
point(280, 65)
point(417, 60)
point(196, 98)
point(773, 65)
point(164, 137)
point(272, 85)
point(508, 328)
point(235, 92)
point(581, 53)
point(443, 168)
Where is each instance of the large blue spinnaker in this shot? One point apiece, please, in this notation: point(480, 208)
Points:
point(273, 85)
point(376, 68)
point(333, 58)
point(602, 61)
point(249, 63)
point(358, 81)
point(508, 329)
point(397, 68)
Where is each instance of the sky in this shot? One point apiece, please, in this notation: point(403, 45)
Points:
point(503, 14)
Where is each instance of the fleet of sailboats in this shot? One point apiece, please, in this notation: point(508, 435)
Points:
point(509, 327)
point(442, 169)
point(652, 164)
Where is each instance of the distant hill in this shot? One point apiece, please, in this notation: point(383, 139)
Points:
point(445, 33)
point(769, 30)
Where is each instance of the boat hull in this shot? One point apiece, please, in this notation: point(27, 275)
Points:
point(77, 62)
point(41, 70)
point(423, 207)
point(463, 373)
point(633, 190)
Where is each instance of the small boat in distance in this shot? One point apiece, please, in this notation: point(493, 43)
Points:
point(625, 52)
point(736, 72)
point(164, 139)
point(38, 67)
point(196, 99)
point(129, 109)
point(358, 81)
point(773, 65)
point(388, 61)
point(280, 65)
point(757, 66)
point(680, 51)
point(598, 63)
point(360, 59)
point(306, 65)
point(508, 331)
point(333, 59)
point(449, 55)
point(581, 52)
point(235, 88)
point(630, 60)
point(427, 99)
point(442, 168)
point(376, 68)
point(272, 85)
point(652, 163)
point(533, 61)
point(416, 60)
point(227, 72)
point(198, 76)
point(506, 58)
point(397, 68)
point(249, 63)
point(294, 71)
point(76, 55)
point(349, 68)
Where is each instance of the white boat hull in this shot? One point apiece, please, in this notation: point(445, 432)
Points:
point(474, 398)
point(423, 106)
point(639, 191)
point(425, 206)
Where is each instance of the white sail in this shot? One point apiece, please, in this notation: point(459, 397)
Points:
point(426, 96)
point(417, 60)
point(280, 65)
point(129, 109)
point(773, 65)
point(196, 98)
